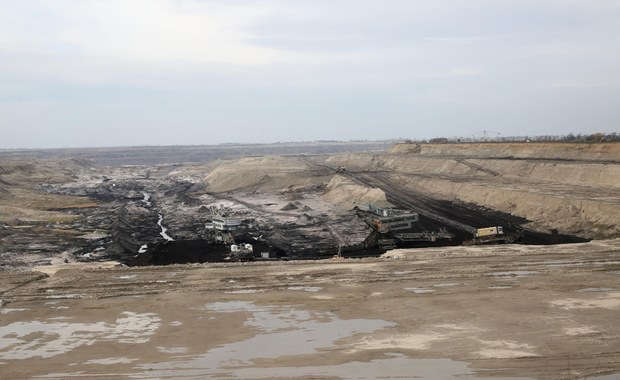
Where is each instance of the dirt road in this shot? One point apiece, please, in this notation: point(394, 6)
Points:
point(547, 312)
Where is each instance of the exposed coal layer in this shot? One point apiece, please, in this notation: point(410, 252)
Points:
point(181, 252)
point(202, 251)
point(194, 251)
point(433, 211)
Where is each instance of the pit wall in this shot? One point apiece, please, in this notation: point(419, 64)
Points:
point(557, 151)
point(560, 186)
point(585, 218)
point(577, 173)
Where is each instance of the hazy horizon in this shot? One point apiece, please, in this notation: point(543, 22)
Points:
point(194, 72)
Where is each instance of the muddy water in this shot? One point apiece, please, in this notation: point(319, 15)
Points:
point(56, 336)
point(284, 332)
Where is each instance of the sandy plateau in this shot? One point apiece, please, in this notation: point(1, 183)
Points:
point(509, 312)
point(91, 287)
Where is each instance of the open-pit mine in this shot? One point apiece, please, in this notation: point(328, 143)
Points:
point(434, 261)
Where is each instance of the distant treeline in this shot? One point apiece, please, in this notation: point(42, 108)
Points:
point(573, 138)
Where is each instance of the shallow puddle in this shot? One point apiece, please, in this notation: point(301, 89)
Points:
point(311, 289)
point(110, 361)
point(588, 290)
point(500, 287)
point(397, 367)
point(6, 310)
point(245, 291)
point(63, 296)
point(23, 340)
point(448, 285)
point(402, 272)
point(282, 331)
point(613, 376)
point(127, 276)
point(420, 290)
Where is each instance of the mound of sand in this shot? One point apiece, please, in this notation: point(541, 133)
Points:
point(346, 193)
point(270, 173)
point(290, 206)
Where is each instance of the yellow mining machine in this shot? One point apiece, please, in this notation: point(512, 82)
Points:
point(490, 235)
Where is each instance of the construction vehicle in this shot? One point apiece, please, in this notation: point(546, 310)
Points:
point(241, 252)
point(392, 228)
point(223, 225)
point(490, 235)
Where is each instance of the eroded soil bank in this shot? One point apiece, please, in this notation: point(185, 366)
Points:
point(544, 312)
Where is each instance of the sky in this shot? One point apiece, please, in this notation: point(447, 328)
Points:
point(91, 73)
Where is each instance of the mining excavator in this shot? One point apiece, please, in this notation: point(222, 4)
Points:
point(391, 228)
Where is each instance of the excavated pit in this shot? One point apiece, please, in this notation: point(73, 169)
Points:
point(203, 251)
point(302, 207)
point(479, 216)
point(193, 251)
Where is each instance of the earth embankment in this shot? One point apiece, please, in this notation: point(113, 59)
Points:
point(533, 150)
point(569, 187)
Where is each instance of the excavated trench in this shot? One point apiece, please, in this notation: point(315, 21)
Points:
point(137, 223)
point(479, 217)
point(134, 220)
point(132, 206)
point(201, 251)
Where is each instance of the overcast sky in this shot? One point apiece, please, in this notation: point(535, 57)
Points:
point(159, 72)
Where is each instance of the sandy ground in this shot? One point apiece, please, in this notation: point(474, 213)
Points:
point(496, 312)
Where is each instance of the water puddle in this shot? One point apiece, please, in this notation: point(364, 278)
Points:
point(110, 361)
point(24, 340)
point(172, 350)
point(6, 310)
point(448, 285)
point(311, 289)
point(613, 376)
point(402, 272)
point(588, 290)
point(283, 331)
point(163, 229)
point(397, 367)
point(146, 199)
point(127, 276)
point(570, 263)
point(581, 330)
point(323, 297)
point(63, 296)
point(420, 290)
point(245, 291)
point(60, 318)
